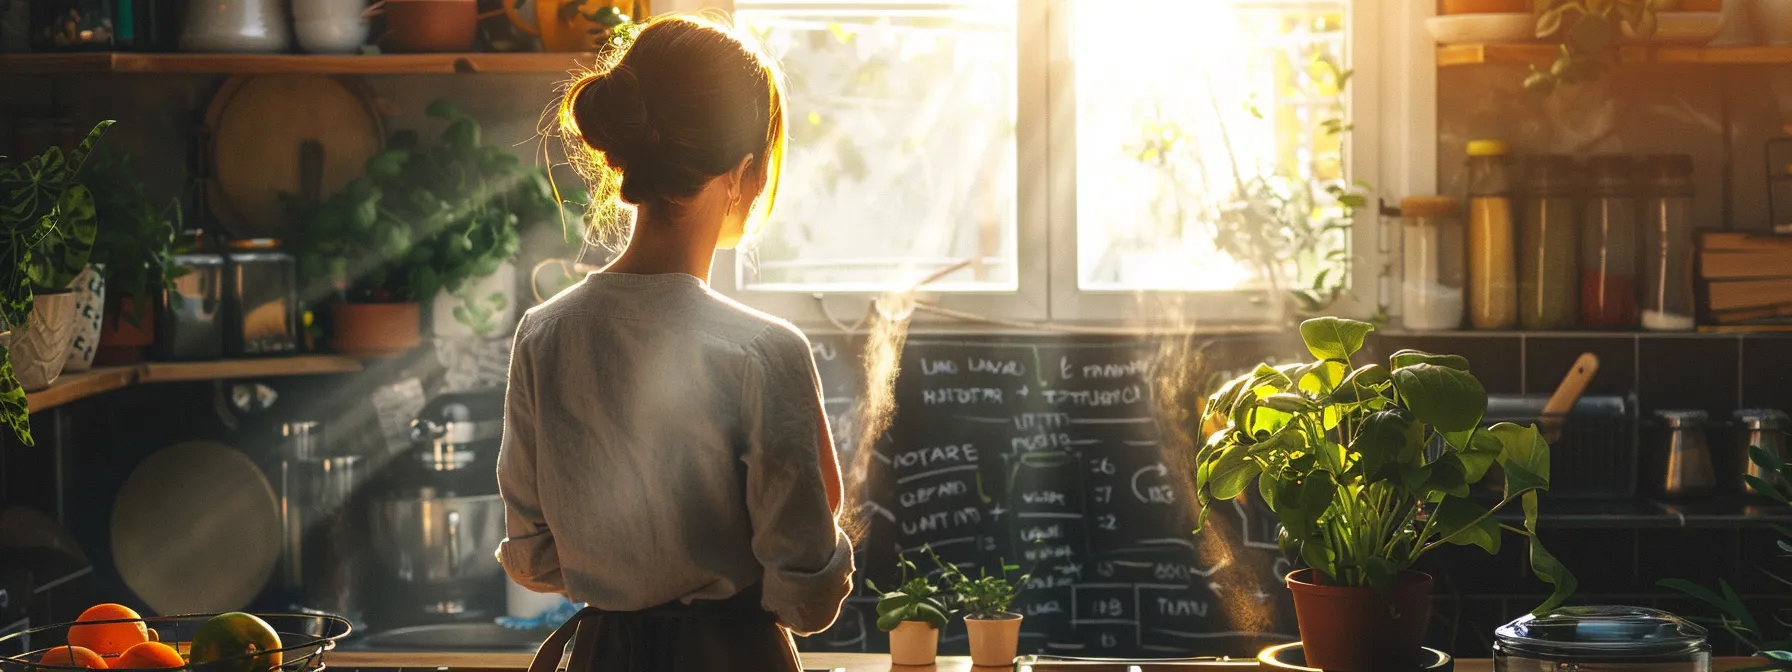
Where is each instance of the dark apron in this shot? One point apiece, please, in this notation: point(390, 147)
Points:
point(703, 636)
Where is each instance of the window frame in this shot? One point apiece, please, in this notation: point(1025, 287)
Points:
point(1391, 100)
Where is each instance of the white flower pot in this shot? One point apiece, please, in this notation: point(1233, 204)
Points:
point(994, 641)
point(89, 312)
point(442, 322)
point(914, 643)
point(39, 351)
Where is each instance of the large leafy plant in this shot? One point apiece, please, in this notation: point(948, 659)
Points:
point(426, 217)
point(137, 234)
point(1734, 615)
point(917, 599)
point(40, 203)
point(1340, 454)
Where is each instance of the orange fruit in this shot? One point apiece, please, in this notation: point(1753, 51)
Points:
point(149, 656)
point(109, 639)
point(73, 656)
point(232, 638)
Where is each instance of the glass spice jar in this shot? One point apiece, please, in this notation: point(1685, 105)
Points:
point(1547, 256)
point(1492, 268)
point(1667, 243)
point(1608, 245)
point(1431, 287)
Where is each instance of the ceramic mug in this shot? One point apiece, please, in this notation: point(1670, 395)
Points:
point(330, 26)
point(428, 25)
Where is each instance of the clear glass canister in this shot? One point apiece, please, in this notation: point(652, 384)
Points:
point(261, 299)
point(1667, 243)
point(1492, 266)
point(1590, 639)
point(1431, 296)
point(1608, 245)
point(1547, 257)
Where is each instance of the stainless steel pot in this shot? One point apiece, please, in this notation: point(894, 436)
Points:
point(432, 540)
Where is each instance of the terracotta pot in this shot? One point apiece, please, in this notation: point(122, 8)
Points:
point(914, 643)
point(40, 351)
point(375, 329)
point(429, 25)
point(994, 641)
point(1486, 6)
point(1348, 629)
point(121, 342)
point(90, 309)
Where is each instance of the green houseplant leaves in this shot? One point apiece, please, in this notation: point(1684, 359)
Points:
point(918, 599)
point(1370, 467)
point(48, 222)
point(136, 235)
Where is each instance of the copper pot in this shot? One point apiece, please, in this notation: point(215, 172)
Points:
point(428, 25)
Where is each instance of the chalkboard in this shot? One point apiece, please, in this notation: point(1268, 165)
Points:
point(1050, 455)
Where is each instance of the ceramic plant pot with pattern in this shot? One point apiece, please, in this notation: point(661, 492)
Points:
point(40, 350)
point(89, 289)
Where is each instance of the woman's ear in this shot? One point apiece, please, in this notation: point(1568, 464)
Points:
point(744, 185)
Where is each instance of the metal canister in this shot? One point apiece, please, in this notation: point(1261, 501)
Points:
point(1766, 428)
point(190, 326)
point(261, 299)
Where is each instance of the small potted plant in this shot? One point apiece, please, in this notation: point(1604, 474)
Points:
point(994, 630)
point(136, 238)
point(913, 615)
point(1368, 468)
point(49, 218)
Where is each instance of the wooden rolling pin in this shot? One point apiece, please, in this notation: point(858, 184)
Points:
point(1579, 376)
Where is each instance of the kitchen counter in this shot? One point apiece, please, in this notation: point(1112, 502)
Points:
point(851, 662)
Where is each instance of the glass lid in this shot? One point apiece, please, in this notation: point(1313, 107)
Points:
point(1601, 631)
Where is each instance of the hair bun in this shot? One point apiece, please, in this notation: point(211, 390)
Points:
point(612, 115)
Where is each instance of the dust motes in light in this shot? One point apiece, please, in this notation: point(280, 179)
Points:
point(871, 415)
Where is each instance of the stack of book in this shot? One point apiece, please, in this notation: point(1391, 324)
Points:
point(1747, 278)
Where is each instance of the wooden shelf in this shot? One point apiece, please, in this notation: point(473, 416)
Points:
point(256, 64)
point(77, 386)
point(1545, 54)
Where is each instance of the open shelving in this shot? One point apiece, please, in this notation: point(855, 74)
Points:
point(76, 386)
point(263, 64)
point(1542, 54)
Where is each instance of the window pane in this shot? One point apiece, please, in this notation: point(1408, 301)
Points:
point(902, 149)
point(1202, 139)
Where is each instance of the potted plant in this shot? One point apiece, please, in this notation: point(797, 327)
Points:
point(994, 630)
point(913, 615)
point(50, 218)
point(436, 222)
point(1340, 454)
point(135, 241)
point(1589, 31)
point(1735, 615)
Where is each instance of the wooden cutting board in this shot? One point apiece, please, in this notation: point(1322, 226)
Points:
point(196, 529)
point(258, 124)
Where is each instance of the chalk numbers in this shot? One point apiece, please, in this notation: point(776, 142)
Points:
point(1103, 466)
point(1104, 494)
point(1110, 608)
point(1108, 522)
point(1109, 641)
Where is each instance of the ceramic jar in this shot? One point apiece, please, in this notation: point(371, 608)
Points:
point(330, 26)
point(247, 26)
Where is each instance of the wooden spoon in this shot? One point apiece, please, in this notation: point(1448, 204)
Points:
point(1579, 376)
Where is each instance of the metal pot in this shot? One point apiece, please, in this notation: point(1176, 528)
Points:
point(438, 540)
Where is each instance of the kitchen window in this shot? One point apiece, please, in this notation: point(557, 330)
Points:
point(1082, 160)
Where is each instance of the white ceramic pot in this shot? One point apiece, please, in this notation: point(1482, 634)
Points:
point(89, 289)
point(330, 26)
point(994, 641)
point(1773, 19)
point(483, 290)
point(40, 351)
point(247, 26)
point(914, 643)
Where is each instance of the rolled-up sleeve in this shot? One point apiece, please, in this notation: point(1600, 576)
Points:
point(527, 551)
point(796, 538)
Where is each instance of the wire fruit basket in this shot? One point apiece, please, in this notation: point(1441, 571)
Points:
point(304, 638)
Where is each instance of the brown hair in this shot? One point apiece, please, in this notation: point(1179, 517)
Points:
point(683, 102)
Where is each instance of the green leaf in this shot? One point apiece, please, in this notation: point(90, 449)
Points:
point(1288, 402)
point(1460, 521)
point(1333, 337)
point(1451, 399)
point(1482, 451)
point(1363, 383)
point(1381, 572)
point(1525, 451)
point(443, 109)
point(1405, 358)
point(1544, 565)
point(1448, 478)
point(1387, 440)
point(1232, 473)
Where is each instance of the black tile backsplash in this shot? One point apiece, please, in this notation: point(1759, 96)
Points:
point(1767, 373)
point(1689, 372)
point(1548, 359)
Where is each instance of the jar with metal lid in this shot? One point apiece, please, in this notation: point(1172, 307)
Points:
point(1602, 638)
point(1667, 243)
point(190, 326)
point(1766, 428)
point(1608, 245)
point(261, 299)
point(1492, 266)
point(1547, 257)
point(1431, 286)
